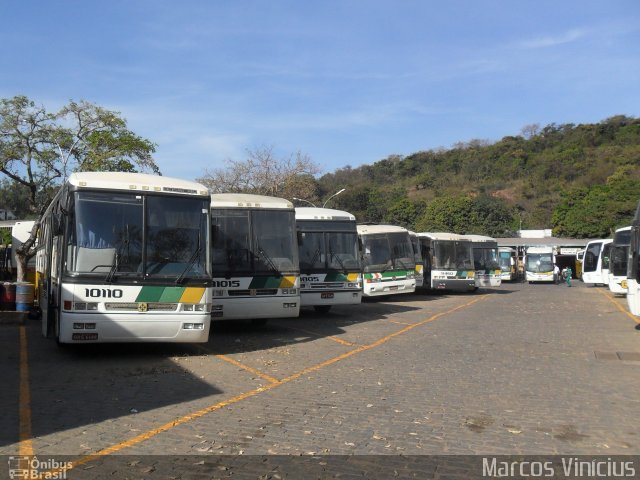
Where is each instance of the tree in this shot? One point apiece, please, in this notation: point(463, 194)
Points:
point(596, 211)
point(447, 214)
point(263, 173)
point(39, 150)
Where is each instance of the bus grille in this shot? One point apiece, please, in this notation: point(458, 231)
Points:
point(327, 285)
point(256, 292)
point(133, 307)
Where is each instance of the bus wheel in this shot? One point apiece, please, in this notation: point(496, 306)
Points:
point(322, 308)
point(258, 322)
point(34, 314)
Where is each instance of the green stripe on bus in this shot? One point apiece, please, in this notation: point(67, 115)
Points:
point(335, 277)
point(150, 294)
point(390, 273)
point(172, 294)
point(265, 282)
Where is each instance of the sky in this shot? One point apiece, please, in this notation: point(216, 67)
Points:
point(346, 82)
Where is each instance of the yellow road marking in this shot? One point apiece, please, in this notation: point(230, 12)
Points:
point(619, 307)
point(316, 334)
point(397, 322)
point(24, 406)
point(251, 393)
point(264, 376)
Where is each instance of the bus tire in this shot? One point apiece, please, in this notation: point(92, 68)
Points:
point(56, 325)
point(322, 308)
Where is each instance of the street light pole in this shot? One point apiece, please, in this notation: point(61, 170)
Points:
point(334, 195)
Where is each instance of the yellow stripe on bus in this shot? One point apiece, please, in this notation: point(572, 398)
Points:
point(287, 282)
point(192, 295)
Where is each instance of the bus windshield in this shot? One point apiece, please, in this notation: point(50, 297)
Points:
point(591, 256)
point(321, 251)
point(253, 241)
point(417, 249)
point(485, 258)
point(504, 260)
point(386, 251)
point(622, 237)
point(539, 262)
point(618, 258)
point(134, 235)
point(451, 255)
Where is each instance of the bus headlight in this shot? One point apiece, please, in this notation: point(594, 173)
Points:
point(85, 306)
point(411, 275)
point(289, 291)
point(193, 326)
point(194, 307)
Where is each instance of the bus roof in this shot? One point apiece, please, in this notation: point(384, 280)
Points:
point(622, 229)
point(136, 182)
point(372, 229)
point(506, 249)
point(540, 249)
point(248, 200)
point(481, 239)
point(598, 240)
point(315, 213)
point(442, 236)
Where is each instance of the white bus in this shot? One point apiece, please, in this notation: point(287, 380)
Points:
point(330, 265)
point(254, 255)
point(618, 261)
point(123, 257)
point(605, 261)
point(388, 263)
point(448, 261)
point(633, 266)
point(593, 262)
point(538, 264)
point(485, 261)
point(507, 262)
point(418, 257)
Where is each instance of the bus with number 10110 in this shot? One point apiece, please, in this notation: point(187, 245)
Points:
point(123, 257)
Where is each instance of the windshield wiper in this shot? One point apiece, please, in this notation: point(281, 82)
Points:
point(337, 257)
point(116, 257)
point(397, 259)
point(315, 257)
point(194, 256)
point(268, 260)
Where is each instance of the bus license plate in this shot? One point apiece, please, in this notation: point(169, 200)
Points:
point(395, 287)
point(326, 295)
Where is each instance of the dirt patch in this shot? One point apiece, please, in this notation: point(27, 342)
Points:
point(569, 433)
point(479, 423)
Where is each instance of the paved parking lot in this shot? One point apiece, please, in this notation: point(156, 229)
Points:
point(524, 369)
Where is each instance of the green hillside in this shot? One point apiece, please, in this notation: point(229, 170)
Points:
point(582, 180)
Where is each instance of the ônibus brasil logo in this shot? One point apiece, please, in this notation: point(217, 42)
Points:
point(26, 467)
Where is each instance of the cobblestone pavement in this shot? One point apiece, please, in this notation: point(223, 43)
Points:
point(524, 369)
